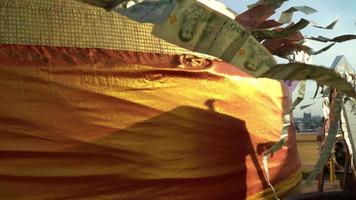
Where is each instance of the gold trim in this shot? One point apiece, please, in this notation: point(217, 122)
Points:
point(69, 23)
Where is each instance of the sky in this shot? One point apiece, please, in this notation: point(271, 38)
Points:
point(328, 11)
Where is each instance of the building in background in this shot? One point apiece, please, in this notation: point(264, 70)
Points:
point(308, 123)
point(307, 116)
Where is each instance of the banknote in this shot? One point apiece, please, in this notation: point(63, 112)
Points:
point(338, 39)
point(153, 11)
point(300, 97)
point(276, 146)
point(283, 33)
point(307, 105)
point(312, 52)
point(144, 11)
point(201, 26)
point(107, 4)
point(329, 140)
point(287, 15)
point(197, 27)
point(274, 3)
point(341, 38)
point(301, 71)
point(330, 26)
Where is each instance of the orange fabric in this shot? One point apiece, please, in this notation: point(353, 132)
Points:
point(102, 124)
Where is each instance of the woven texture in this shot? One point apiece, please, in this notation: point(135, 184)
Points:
point(69, 23)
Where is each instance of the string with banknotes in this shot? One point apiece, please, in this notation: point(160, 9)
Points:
point(286, 124)
point(197, 26)
point(277, 146)
point(335, 114)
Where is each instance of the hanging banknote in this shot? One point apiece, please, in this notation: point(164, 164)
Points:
point(205, 26)
point(287, 15)
point(145, 11)
point(197, 27)
point(273, 3)
point(301, 71)
point(329, 140)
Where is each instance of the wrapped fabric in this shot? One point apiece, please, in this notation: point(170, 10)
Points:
point(90, 127)
point(95, 107)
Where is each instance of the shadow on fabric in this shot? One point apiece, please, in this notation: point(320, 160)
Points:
point(186, 153)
